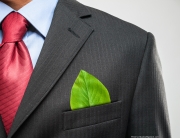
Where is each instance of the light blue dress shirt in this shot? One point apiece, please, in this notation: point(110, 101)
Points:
point(39, 13)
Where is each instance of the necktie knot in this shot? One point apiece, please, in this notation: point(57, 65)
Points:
point(14, 27)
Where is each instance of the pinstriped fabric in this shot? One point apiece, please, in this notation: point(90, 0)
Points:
point(121, 55)
point(15, 67)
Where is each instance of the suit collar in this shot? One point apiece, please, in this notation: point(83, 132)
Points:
point(77, 8)
point(65, 38)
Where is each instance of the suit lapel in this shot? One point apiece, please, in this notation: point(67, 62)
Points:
point(66, 36)
point(2, 130)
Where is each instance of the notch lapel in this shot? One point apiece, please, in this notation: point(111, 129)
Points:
point(66, 36)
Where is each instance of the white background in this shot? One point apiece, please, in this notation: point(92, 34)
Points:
point(162, 18)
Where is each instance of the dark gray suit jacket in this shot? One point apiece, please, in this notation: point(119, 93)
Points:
point(121, 55)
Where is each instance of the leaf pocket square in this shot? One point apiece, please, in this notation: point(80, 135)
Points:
point(88, 91)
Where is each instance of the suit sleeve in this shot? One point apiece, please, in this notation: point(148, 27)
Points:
point(149, 115)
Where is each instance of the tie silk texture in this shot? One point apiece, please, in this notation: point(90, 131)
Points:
point(15, 67)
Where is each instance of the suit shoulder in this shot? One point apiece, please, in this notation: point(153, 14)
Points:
point(106, 19)
point(99, 16)
point(108, 26)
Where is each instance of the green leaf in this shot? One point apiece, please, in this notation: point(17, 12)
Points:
point(88, 91)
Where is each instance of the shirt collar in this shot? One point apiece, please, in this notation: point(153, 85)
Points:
point(38, 12)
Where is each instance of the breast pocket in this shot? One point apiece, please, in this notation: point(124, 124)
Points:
point(92, 115)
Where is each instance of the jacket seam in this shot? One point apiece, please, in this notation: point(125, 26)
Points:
point(141, 64)
point(145, 49)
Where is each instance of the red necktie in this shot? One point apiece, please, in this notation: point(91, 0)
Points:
point(15, 67)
